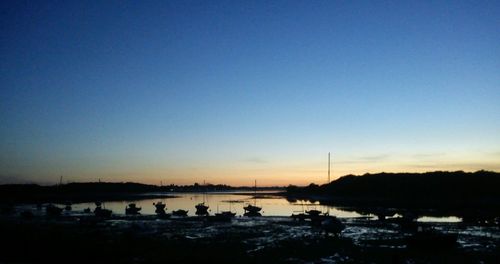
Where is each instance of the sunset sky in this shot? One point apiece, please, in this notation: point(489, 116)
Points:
point(232, 91)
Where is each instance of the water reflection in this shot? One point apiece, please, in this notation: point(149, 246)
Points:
point(271, 205)
point(446, 219)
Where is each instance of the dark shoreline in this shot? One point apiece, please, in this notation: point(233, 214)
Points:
point(147, 239)
point(105, 191)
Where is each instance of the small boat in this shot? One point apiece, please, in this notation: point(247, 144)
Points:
point(160, 208)
point(252, 214)
point(132, 209)
point(53, 210)
point(180, 212)
point(201, 209)
point(313, 213)
point(253, 210)
point(224, 216)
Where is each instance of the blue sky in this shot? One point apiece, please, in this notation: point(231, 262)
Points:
point(230, 91)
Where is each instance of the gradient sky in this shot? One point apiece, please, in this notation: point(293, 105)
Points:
point(232, 91)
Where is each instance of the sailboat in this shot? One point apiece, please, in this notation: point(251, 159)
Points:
point(253, 210)
point(223, 216)
point(226, 213)
point(132, 209)
point(315, 215)
point(201, 208)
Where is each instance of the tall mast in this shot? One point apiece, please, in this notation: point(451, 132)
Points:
point(205, 193)
point(255, 194)
point(328, 167)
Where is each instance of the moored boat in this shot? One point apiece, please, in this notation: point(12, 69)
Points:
point(201, 209)
point(253, 210)
point(160, 208)
point(100, 212)
point(180, 212)
point(132, 209)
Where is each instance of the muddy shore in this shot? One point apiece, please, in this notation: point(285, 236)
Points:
point(82, 238)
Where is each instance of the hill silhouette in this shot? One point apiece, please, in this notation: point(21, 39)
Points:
point(439, 188)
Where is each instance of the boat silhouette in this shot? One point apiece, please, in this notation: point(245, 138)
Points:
point(132, 209)
point(180, 212)
point(253, 210)
point(201, 208)
point(100, 212)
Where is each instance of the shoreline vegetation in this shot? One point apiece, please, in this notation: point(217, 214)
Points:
point(107, 191)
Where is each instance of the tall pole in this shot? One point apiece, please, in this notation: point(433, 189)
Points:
point(255, 194)
point(328, 167)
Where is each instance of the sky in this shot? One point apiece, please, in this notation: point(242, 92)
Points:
point(232, 91)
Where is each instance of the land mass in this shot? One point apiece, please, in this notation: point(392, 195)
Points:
point(105, 191)
point(431, 189)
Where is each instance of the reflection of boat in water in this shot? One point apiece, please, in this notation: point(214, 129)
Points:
point(253, 210)
point(53, 210)
point(180, 212)
point(430, 238)
point(132, 209)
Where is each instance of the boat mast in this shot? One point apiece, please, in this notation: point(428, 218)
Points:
point(205, 193)
point(255, 194)
point(328, 167)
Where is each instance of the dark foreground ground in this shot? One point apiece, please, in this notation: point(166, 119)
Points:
point(80, 238)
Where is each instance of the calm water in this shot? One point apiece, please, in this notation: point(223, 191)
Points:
point(271, 205)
